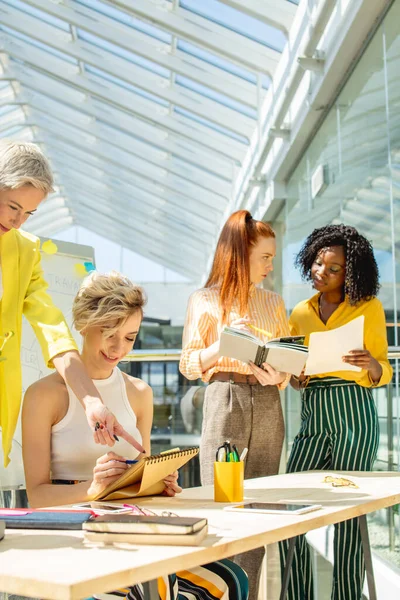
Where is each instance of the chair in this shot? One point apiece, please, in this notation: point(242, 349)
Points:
point(12, 478)
point(192, 409)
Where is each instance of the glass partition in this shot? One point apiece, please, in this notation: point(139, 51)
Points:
point(358, 150)
point(178, 405)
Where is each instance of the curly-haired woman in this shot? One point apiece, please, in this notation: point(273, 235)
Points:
point(339, 423)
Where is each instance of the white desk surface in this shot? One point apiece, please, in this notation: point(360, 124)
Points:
point(61, 566)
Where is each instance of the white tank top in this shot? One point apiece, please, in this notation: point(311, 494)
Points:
point(73, 450)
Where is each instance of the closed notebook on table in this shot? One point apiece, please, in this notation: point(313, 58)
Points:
point(146, 529)
point(153, 539)
point(146, 478)
point(287, 354)
point(46, 520)
point(145, 524)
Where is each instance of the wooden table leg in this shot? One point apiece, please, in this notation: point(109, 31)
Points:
point(288, 568)
point(367, 557)
point(150, 590)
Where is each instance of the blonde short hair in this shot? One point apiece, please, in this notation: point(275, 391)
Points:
point(106, 300)
point(23, 163)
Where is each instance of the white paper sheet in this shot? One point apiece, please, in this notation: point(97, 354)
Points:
point(326, 348)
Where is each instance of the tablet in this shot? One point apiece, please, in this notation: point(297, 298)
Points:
point(277, 508)
point(103, 507)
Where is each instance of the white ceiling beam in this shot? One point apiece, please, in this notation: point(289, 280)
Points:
point(123, 234)
point(277, 13)
point(51, 228)
point(121, 132)
point(166, 189)
point(135, 41)
point(45, 218)
point(125, 240)
point(137, 196)
point(61, 81)
point(12, 118)
point(160, 171)
point(64, 157)
point(65, 163)
point(136, 200)
point(140, 222)
point(7, 95)
point(204, 33)
point(126, 71)
point(145, 157)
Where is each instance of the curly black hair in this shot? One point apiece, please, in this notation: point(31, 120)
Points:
point(362, 275)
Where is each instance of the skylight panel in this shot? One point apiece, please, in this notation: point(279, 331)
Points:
point(12, 131)
point(126, 19)
point(122, 53)
point(4, 110)
point(235, 20)
point(221, 63)
point(38, 14)
point(40, 45)
point(189, 115)
point(128, 86)
point(220, 98)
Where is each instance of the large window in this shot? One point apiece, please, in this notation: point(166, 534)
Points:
point(358, 150)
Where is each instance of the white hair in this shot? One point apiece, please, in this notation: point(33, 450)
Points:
point(23, 163)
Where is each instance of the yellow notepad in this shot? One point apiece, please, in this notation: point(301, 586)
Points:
point(146, 478)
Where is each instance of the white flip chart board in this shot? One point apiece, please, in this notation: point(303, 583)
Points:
point(64, 271)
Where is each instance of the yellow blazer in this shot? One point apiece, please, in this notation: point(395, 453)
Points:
point(24, 292)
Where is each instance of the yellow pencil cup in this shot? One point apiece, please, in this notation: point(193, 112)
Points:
point(228, 481)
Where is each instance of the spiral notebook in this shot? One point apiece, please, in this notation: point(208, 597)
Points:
point(146, 478)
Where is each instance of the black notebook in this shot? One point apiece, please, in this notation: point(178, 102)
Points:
point(46, 520)
point(287, 354)
point(145, 524)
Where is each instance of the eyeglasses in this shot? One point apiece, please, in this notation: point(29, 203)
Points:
point(339, 482)
point(163, 513)
point(146, 511)
point(3, 340)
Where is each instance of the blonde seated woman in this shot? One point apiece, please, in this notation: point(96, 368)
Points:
point(63, 464)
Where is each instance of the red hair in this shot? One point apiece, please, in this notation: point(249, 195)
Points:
point(231, 265)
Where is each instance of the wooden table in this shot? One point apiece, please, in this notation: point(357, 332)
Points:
point(61, 566)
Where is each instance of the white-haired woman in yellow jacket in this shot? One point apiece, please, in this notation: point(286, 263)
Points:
point(25, 180)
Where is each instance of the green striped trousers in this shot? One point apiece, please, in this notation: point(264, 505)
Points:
point(339, 431)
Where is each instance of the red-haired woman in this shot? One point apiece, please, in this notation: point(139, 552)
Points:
point(242, 401)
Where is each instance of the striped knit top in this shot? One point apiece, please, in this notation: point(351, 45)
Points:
point(203, 327)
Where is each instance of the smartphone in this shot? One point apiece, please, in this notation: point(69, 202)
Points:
point(275, 508)
point(103, 507)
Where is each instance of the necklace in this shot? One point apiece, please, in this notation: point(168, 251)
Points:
point(324, 317)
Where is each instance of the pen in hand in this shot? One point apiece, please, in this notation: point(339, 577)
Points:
point(136, 444)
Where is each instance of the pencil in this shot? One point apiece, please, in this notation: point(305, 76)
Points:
point(263, 331)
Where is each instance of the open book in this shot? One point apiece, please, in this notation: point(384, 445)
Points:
point(287, 354)
point(146, 478)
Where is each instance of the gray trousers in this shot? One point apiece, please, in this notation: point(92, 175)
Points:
point(250, 416)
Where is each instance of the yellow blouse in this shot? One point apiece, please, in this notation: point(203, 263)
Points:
point(305, 319)
point(203, 326)
point(24, 293)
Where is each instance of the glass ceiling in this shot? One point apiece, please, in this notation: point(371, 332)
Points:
point(146, 109)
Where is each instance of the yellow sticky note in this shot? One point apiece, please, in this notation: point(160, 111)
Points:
point(80, 269)
point(49, 247)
